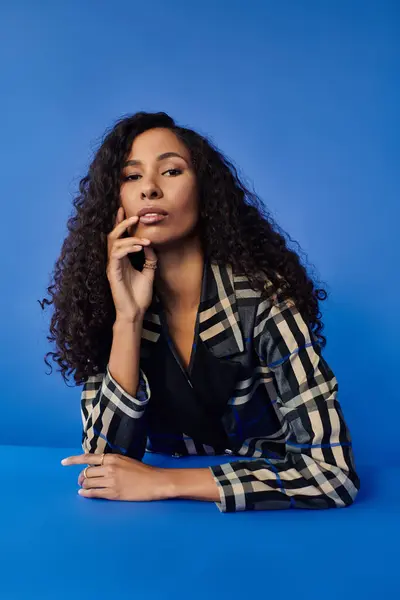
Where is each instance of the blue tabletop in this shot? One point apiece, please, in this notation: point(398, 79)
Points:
point(56, 544)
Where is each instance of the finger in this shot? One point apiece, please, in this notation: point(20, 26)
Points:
point(95, 482)
point(125, 223)
point(120, 215)
point(122, 242)
point(124, 251)
point(81, 459)
point(150, 254)
point(97, 493)
point(93, 471)
point(121, 227)
point(132, 225)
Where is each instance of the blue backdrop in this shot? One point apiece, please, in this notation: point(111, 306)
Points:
point(302, 96)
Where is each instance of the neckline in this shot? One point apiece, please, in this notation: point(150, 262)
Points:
point(172, 346)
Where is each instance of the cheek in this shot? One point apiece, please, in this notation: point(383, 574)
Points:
point(186, 224)
point(186, 215)
point(184, 201)
point(184, 188)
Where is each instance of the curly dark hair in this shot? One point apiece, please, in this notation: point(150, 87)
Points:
point(236, 229)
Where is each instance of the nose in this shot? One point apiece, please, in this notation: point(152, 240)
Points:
point(150, 190)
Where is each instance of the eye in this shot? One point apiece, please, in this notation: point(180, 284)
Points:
point(129, 177)
point(176, 171)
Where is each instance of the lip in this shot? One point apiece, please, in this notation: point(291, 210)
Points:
point(150, 220)
point(151, 209)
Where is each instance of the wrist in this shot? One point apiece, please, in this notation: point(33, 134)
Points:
point(167, 483)
point(198, 484)
point(128, 321)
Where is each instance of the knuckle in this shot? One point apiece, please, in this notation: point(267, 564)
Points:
point(116, 249)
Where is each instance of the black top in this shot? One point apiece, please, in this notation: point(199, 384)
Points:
point(183, 402)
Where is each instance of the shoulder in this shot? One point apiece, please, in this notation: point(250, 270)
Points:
point(265, 296)
point(280, 330)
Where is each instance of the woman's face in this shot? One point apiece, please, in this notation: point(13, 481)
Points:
point(164, 182)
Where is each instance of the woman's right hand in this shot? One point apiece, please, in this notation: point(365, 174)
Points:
point(131, 289)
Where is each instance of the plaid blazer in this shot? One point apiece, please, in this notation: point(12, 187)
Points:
point(260, 387)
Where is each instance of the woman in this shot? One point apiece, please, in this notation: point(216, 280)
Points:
point(194, 331)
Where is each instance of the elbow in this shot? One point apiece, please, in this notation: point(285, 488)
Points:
point(354, 479)
point(348, 489)
point(347, 501)
point(338, 486)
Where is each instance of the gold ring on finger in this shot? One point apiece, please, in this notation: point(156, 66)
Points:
point(84, 472)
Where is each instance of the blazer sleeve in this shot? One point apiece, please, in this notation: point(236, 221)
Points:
point(317, 470)
point(113, 420)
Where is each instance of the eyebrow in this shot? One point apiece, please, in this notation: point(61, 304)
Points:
point(159, 158)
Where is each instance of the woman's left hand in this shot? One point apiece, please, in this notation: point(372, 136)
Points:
point(120, 478)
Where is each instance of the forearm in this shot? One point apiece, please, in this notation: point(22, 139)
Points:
point(193, 484)
point(125, 352)
point(113, 403)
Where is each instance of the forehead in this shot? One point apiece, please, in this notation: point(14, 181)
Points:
point(150, 143)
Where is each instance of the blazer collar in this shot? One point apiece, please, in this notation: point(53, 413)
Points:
point(219, 322)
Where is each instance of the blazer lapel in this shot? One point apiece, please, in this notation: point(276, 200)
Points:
point(219, 322)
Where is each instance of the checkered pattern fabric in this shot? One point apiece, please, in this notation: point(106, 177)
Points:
point(280, 408)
